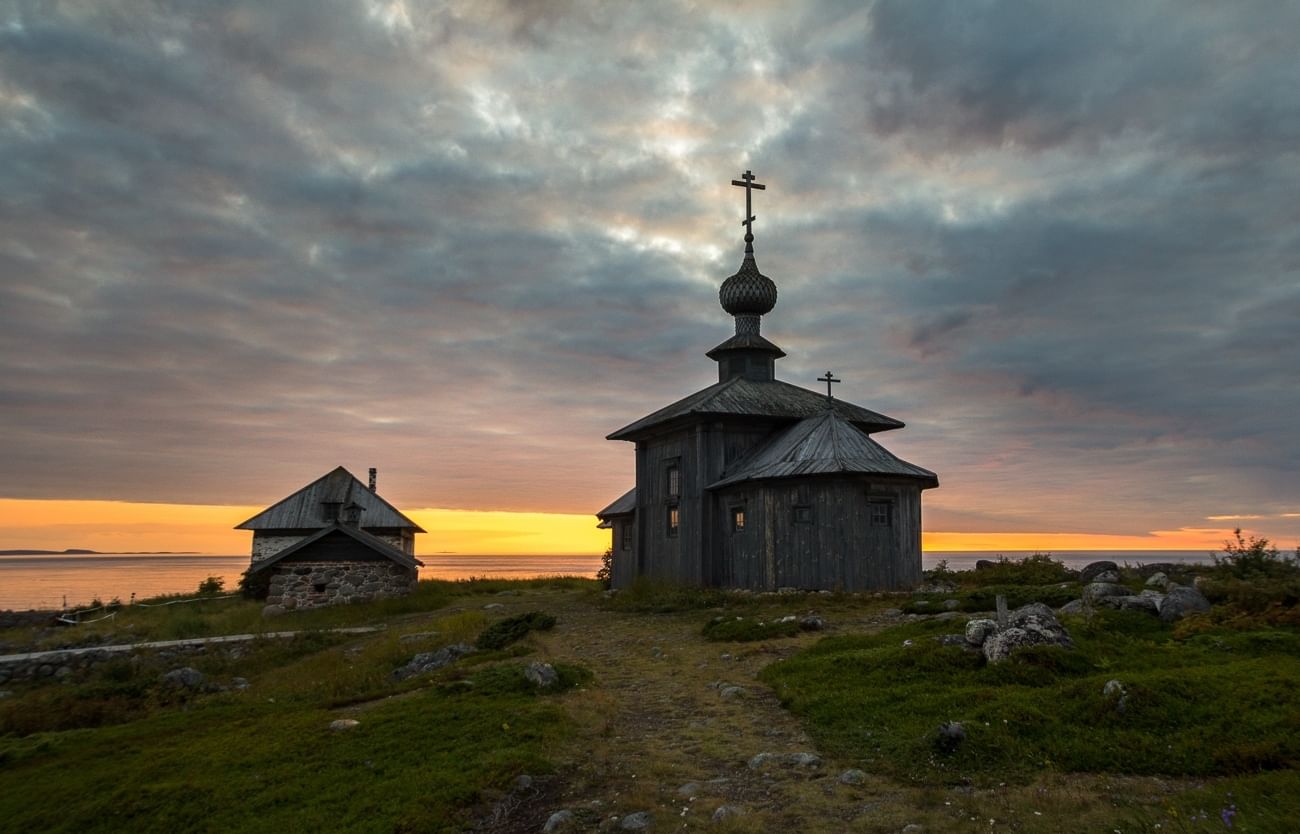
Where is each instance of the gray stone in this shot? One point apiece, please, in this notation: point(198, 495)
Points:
point(541, 675)
point(951, 640)
point(1074, 606)
point(1142, 602)
point(732, 693)
point(1097, 591)
point(812, 623)
point(185, 678)
point(341, 724)
point(1180, 601)
point(1091, 570)
point(639, 821)
point(239, 684)
point(950, 736)
point(725, 812)
point(689, 789)
point(892, 612)
point(63, 671)
point(913, 828)
point(559, 821)
point(1157, 580)
point(274, 610)
point(417, 636)
point(430, 661)
point(1030, 625)
point(492, 605)
point(1107, 576)
point(523, 782)
point(978, 630)
point(853, 777)
point(761, 760)
point(1112, 689)
point(951, 604)
point(949, 615)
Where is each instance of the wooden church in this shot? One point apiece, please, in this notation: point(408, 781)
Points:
point(756, 483)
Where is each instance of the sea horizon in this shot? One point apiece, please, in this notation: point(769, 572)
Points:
point(54, 581)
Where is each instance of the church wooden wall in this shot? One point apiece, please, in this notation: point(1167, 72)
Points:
point(838, 550)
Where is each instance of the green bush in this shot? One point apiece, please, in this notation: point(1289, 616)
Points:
point(1254, 558)
point(1038, 569)
point(504, 632)
point(606, 573)
point(742, 629)
point(212, 585)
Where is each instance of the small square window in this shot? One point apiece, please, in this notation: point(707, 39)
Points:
point(881, 513)
point(674, 521)
point(626, 535)
point(803, 514)
point(674, 482)
point(737, 519)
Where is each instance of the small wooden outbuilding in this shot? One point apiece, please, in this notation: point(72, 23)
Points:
point(333, 541)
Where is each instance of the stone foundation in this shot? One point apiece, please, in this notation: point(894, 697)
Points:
point(299, 585)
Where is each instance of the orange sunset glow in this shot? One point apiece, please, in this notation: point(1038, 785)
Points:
point(115, 526)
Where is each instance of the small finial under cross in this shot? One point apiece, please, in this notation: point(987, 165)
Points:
point(828, 379)
point(746, 182)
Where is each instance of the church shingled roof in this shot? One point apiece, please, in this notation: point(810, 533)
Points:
point(825, 444)
point(302, 509)
point(742, 397)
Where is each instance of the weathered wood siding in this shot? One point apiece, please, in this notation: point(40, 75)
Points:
point(838, 549)
point(623, 565)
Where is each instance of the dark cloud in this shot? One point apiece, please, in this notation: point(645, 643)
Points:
point(242, 243)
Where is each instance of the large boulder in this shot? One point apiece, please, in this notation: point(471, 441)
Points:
point(978, 630)
point(185, 678)
point(430, 661)
point(1030, 625)
point(1180, 601)
point(541, 675)
point(1090, 571)
point(1095, 592)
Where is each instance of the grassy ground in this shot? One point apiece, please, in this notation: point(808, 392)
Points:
point(1208, 728)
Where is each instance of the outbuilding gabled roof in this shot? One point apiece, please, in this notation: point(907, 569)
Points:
point(624, 505)
point(742, 397)
point(302, 510)
point(826, 444)
point(363, 538)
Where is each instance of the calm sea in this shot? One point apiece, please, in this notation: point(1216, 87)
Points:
point(53, 581)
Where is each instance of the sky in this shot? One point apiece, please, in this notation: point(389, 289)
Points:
point(243, 243)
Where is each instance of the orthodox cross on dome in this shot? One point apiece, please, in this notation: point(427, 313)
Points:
point(746, 182)
point(828, 379)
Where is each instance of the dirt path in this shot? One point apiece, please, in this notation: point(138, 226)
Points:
point(663, 731)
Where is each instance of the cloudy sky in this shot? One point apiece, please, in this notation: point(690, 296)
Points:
point(241, 244)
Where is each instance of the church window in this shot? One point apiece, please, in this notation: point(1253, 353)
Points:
point(674, 521)
point(881, 513)
point(674, 481)
point(625, 535)
point(803, 514)
point(737, 519)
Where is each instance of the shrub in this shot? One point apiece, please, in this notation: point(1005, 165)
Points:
point(504, 632)
point(1038, 569)
point(1254, 558)
point(212, 585)
point(606, 573)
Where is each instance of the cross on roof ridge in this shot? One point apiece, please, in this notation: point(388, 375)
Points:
point(829, 379)
point(746, 182)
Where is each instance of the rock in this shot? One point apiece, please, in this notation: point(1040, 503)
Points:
point(1030, 625)
point(921, 603)
point(789, 759)
point(559, 821)
point(430, 661)
point(689, 789)
point(949, 737)
point(1114, 692)
point(937, 587)
point(274, 610)
point(1097, 591)
point(726, 812)
point(639, 821)
point(1180, 601)
point(853, 777)
point(951, 604)
point(185, 678)
point(985, 564)
point(907, 643)
point(1157, 580)
point(1091, 570)
point(1107, 576)
point(523, 782)
point(913, 828)
point(812, 623)
point(951, 640)
point(948, 615)
point(892, 612)
point(1074, 606)
point(63, 671)
point(732, 693)
point(978, 630)
point(341, 724)
point(417, 636)
point(492, 605)
point(1142, 602)
point(788, 618)
point(541, 675)
point(239, 684)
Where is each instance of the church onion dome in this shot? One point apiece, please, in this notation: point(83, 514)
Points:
point(748, 292)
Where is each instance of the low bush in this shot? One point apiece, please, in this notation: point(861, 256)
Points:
point(1038, 569)
point(1255, 558)
point(743, 629)
point(504, 632)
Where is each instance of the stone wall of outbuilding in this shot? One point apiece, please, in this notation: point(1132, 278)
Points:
point(299, 585)
point(264, 547)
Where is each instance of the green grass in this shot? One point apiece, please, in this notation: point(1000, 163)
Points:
point(876, 702)
point(118, 751)
point(743, 629)
point(512, 629)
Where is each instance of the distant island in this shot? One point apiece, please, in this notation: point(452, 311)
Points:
point(77, 551)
